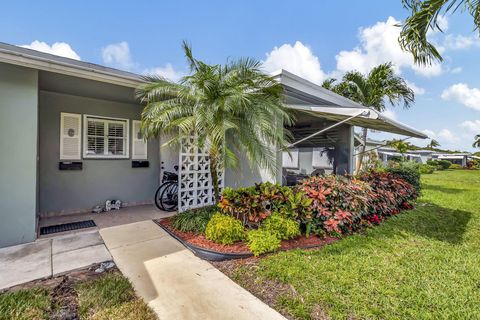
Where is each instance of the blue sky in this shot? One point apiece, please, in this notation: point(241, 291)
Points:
point(314, 39)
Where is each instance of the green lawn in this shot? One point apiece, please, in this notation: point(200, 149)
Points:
point(422, 264)
point(108, 297)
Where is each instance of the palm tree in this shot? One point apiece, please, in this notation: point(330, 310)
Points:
point(476, 144)
point(231, 109)
point(424, 17)
point(433, 144)
point(401, 146)
point(373, 90)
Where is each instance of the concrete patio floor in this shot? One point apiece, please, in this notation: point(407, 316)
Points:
point(106, 219)
point(45, 258)
point(174, 282)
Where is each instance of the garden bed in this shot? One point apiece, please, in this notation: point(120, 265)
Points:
point(209, 250)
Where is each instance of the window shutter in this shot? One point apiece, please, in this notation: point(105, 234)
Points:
point(70, 136)
point(139, 145)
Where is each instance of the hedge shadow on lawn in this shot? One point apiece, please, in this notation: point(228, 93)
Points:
point(432, 187)
point(436, 222)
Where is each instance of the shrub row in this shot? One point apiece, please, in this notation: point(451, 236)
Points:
point(266, 213)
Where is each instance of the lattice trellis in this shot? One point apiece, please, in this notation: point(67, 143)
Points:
point(194, 183)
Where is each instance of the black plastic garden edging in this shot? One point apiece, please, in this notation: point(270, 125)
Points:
point(203, 253)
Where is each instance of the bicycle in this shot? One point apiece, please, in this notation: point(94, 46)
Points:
point(166, 196)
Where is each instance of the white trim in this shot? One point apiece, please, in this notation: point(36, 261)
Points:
point(45, 64)
point(79, 134)
point(135, 139)
point(106, 119)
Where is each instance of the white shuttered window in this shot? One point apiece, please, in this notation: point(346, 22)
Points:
point(105, 137)
point(139, 145)
point(70, 136)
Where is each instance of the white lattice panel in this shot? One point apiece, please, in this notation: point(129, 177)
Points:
point(194, 181)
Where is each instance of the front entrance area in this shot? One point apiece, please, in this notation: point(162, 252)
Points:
point(106, 219)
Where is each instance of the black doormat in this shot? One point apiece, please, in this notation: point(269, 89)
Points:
point(67, 227)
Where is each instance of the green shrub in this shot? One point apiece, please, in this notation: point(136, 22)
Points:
point(440, 164)
point(224, 229)
point(445, 164)
point(194, 220)
point(408, 171)
point(262, 241)
point(456, 166)
point(426, 169)
point(283, 228)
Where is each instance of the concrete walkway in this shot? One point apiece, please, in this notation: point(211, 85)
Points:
point(174, 282)
point(50, 257)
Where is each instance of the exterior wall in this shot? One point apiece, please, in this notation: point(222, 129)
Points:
point(18, 158)
point(100, 179)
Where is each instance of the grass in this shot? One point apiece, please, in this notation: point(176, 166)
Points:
point(30, 304)
point(110, 296)
point(422, 264)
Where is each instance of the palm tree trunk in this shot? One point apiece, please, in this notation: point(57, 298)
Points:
point(214, 175)
point(362, 151)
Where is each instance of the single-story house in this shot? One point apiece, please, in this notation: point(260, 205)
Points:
point(71, 140)
point(455, 158)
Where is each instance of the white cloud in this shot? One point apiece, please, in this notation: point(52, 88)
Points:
point(379, 44)
point(458, 42)
point(167, 72)
point(456, 70)
point(390, 114)
point(298, 59)
point(447, 136)
point(463, 94)
point(418, 90)
point(118, 55)
point(472, 126)
point(58, 48)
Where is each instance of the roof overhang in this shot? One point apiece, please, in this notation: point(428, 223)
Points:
point(361, 117)
point(47, 62)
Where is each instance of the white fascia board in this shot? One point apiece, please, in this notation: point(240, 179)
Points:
point(68, 69)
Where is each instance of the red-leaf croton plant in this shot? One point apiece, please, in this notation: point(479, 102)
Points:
point(324, 205)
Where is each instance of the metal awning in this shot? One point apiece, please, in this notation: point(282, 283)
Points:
point(361, 117)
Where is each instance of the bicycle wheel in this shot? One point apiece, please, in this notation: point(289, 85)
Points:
point(158, 195)
point(169, 197)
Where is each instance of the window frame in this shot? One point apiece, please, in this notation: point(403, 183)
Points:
point(106, 120)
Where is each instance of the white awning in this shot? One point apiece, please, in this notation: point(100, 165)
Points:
point(361, 117)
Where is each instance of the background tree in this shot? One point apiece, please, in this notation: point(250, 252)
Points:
point(374, 90)
point(476, 144)
point(424, 17)
point(433, 144)
point(400, 146)
point(231, 109)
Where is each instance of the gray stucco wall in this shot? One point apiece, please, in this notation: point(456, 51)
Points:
point(100, 179)
point(18, 145)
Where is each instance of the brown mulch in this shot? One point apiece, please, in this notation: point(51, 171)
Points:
point(199, 240)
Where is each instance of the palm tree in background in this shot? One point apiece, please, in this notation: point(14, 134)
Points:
point(401, 146)
point(231, 109)
point(476, 144)
point(433, 144)
point(424, 17)
point(373, 90)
